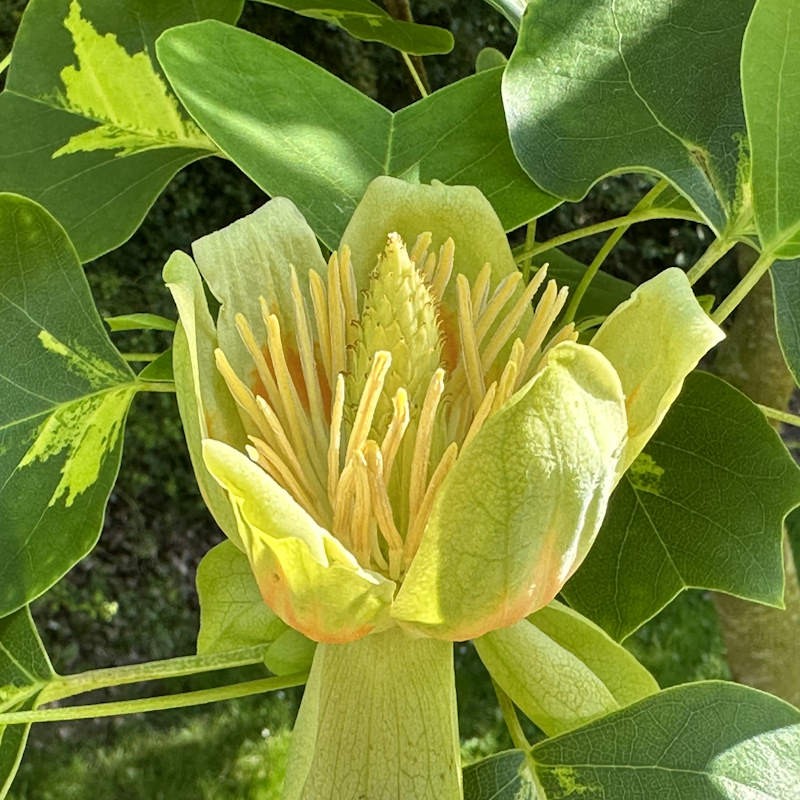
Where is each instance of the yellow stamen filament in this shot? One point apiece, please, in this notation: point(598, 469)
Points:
point(382, 508)
point(547, 309)
point(508, 380)
point(429, 268)
point(264, 374)
point(444, 269)
point(347, 282)
point(401, 417)
point(240, 393)
point(469, 344)
point(365, 413)
point(360, 525)
point(481, 415)
point(420, 519)
point(480, 290)
point(335, 440)
point(423, 441)
point(319, 301)
point(420, 248)
point(336, 317)
point(343, 505)
point(502, 294)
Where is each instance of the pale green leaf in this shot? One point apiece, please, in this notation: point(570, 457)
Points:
point(600, 87)
point(63, 400)
point(378, 720)
point(302, 133)
point(140, 322)
point(520, 508)
point(160, 370)
point(704, 741)
point(24, 672)
point(701, 507)
point(98, 197)
point(503, 776)
point(367, 21)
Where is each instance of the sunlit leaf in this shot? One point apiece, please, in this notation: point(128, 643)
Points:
point(702, 507)
point(83, 84)
point(64, 395)
point(499, 777)
point(368, 21)
point(599, 87)
point(771, 91)
point(302, 133)
point(704, 741)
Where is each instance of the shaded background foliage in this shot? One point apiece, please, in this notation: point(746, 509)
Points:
point(133, 598)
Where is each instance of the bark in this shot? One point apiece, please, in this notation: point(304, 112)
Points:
point(763, 643)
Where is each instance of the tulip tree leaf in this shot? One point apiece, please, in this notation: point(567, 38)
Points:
point(786, 294)
point(512, 10)
point(88, 126)
point(771, 92)
point(302, 133)
point(702, 507)
point(140, 322)
point(24, 671)
point(499, 777)
point(369, 22)
point(599, 87)
point(64, 395)
point(705, 741)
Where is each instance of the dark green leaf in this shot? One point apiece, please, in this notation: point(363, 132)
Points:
point(24, 671)
point(500, 777)
point(99, 196)
point(365, 20)
point(786, 296)
point(598, 87)
point(64, 395)
point(702, 507)
point(771, 91)
point(300, 132)
point(703, 741)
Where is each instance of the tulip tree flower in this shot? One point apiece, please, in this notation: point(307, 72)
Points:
point(408, 451)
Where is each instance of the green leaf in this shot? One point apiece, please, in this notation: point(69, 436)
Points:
point(600, 87)
point(703, 741)
point(771, 92)
point(82, 86)
point(786, 297)
point(302, 133)
point(371, 23)
point(512, 10)
point(160, 370)
point(64, 395)
point(24, 671)
point(503, 776)
point(702, 507)
point(140, 322)
point(561, 670)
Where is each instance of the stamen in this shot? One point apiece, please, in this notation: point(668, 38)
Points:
point(308, 364)
point(508, 380)
point(444, 269)
point(401, 417)
point(360, 525)
point(343, 506)
point(547, 309)
point(365, 413)
point(319, 301)
point(420, 248)
point(481, 415)
point(420, 520)
point(382, 508)
point(428, 268)
point(422, 442)
point(509, 324)
point(502, 294)
point(336, 317)
point(347, 282)
point(240, 393)
point(264, 373)
point(469, 345)
point(480, 290)
point(334, 442)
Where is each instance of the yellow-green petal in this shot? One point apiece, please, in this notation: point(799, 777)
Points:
point(654, 340)
point(308, 578)
point(205, 404)
point(252, 258)
point(562, 670)
point(458, 212)
point(523, 503)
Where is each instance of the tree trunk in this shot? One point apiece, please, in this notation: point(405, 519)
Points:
point(763, 643)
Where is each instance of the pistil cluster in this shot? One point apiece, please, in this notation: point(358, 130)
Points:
point(360, 408)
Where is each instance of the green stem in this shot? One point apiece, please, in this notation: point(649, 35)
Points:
point(162, 703)
point(714, 252)
point(610, 243)
point(743, 288)
point(511, 719)
point(780, 416)
point(70, 685)
point(415, 75)
point(155, 386)
point(140, 356)
point(601, 227)
point(4, 63)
